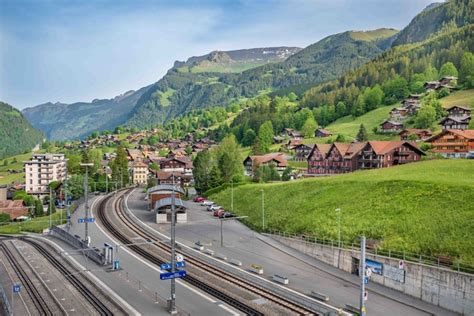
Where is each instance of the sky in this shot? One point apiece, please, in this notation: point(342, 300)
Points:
point(71, 50)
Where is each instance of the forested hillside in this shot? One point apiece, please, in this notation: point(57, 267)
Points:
point(61, 121)
point(181, 91)
point(16, 134)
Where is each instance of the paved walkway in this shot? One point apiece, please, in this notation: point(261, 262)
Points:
point(351, 278)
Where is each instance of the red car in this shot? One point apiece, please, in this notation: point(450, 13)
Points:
point(218, 212)
point(198, 199)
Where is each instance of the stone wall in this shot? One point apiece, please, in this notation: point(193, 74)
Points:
point(440, 286)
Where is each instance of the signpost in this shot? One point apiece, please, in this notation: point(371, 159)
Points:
point(86, 220)
point(172, 275)
point(16, 288)
point(167, 266)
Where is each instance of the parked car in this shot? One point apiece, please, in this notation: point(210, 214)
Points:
point(212, 208)
point(199, 199)
point(470, 155)
point(207, 203)
point(218, 212)
point(226, 215)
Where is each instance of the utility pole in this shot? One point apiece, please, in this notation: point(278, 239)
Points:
point(222, 234)
point(106, 181)
point(68, 214)
point(50, 209)
point(362, 276)
point(172, 305)
point(263, 209)
point(86, 208)
point(338, 210)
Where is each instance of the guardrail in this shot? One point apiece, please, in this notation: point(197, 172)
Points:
point(75, 242)
point(392, 254)
point(4, 302)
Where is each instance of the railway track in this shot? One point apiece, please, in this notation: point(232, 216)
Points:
point(98, 305)
point(241, 283)
point(33, 292)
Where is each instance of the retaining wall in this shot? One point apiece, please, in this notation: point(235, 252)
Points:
point(442, 287)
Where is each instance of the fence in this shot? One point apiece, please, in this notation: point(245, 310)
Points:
point(5, 304)
point(440, 262)
point(75, 242)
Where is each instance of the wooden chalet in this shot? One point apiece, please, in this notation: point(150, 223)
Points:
point(388, 126)
point(317, 159)
point(177, 164)
point(320, 132)
point(448, 80)
point(455, 122)
point(302, 151)
point(164, 177)
point(398, 114)
point(458, 111)
point(415, 134)
point(383, 154)
point(291, 133)
point(252, 163)
point(453, 143)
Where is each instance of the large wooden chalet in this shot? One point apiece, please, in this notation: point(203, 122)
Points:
point(339, 158)
point(455, 122)
point(452, 143)
point(252, 163)
point(177, 164)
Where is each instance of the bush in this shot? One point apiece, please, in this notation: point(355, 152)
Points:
point(4, 217)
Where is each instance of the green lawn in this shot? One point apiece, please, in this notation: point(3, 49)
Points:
point(6, 178)
point(348, 126)
point(424, 207)
point(35, 225)
point(463, 98)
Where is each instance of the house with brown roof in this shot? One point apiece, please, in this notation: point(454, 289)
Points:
point(317, 159)
point(177, 164)
point(383, 154)
point(139, 172)
point(14, 208)
point(321, 132)
point(164, 177)
point(252, 163)
point(415, 134)
point(452, 143)
point(458, 111)
point(135, 154)
point(293, 134)
point(398, 114)
point(388, 126)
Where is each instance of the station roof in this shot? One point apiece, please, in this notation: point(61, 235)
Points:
point(165, 187)
point(167, 202)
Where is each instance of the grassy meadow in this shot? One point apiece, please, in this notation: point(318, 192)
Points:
point(421, 207)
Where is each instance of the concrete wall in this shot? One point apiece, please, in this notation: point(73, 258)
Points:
point(443, 287)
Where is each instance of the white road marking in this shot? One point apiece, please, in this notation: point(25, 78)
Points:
point(210, 299)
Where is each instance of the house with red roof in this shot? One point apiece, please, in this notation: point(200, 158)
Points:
point(453, 143)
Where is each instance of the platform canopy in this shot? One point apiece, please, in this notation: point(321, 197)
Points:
point(166, 203)
point(165, 188)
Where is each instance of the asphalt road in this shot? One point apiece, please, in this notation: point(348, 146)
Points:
point(143, 279)
point(242, 244)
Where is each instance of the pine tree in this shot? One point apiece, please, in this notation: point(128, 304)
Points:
point(362, 135)
point(265, 136)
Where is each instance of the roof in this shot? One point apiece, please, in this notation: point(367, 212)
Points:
point(353, 149)
point(415, 131)
point(138, 164)
point(261, 159)
point(391, 122)
point(468, 133)
point(324, 131)
point(168, 202)
point(383, 147)
point(323, 149)
point(459, 107)
point(184, 159)
point(458, 119)
point(165, 187)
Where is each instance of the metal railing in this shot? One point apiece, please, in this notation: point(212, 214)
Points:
point(440, 262)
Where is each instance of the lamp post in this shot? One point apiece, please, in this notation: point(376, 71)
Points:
point(86, 208)
point(263, 209)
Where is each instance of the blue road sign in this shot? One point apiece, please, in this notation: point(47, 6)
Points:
point(116, 264)
point(85, 219)
point(16, 288)
point(171, 275)
point(366, 280)
point(167, 266)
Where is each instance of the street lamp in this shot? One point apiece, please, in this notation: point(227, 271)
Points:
point(86, 209)
point(263, 209)
point(338, 211)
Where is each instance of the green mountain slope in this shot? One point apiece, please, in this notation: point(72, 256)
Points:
point(61, 121)
point(436, 17)
point(322, 61)
point(416, 207)
point(16, 133)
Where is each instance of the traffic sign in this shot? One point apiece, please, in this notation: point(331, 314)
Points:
point(116, 265)
point(171, 275)
point(179, 257)
point(85, 219)
point(167, 266)
point(366, 280)
point(16, 288)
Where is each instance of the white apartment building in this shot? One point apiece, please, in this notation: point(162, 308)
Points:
point(139, 172)
point(41, 170)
